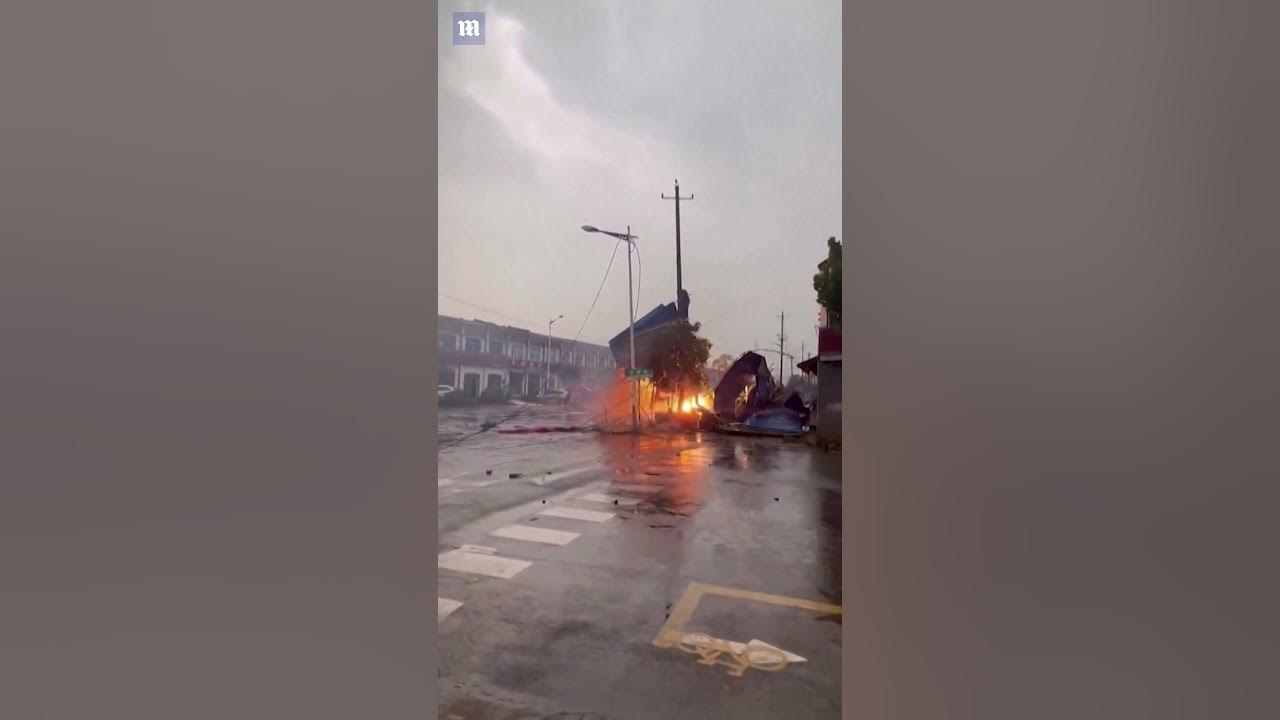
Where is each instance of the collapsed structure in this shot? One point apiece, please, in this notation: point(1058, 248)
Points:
point(749, 374)
point(746, 399)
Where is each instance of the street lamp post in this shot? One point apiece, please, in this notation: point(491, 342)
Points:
point(547, 384)
point(631, 312)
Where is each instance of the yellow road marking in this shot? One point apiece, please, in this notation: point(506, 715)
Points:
point(672, 631)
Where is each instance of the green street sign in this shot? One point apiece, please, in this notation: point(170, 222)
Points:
point(639, 373)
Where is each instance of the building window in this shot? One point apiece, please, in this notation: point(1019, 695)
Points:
point(446, 376)
point(496, 348)
point(535, 353)
point(517, 352)
point(582, 359)
point(555, 355)
point(473, 344)
point(591, 360)
point(448, 341)
point(494, 382)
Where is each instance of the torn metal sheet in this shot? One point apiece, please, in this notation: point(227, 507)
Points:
point(655, 319)
point(752, 371)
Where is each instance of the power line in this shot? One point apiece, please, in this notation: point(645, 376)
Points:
point(574, 342)
point(523, 321)
point(639, 277)
point(486, 309)
point(759, 297)
point(596, 298)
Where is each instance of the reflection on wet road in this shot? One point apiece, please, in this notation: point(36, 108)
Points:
point(561, 611)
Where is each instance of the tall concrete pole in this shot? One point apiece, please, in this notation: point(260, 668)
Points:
point(680, 304)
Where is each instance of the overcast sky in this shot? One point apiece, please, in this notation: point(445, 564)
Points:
point(585, 112)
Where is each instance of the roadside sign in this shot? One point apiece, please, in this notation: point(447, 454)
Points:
point(639, 373)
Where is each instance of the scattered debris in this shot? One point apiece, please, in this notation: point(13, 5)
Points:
point(741, 657)
point(488, 472)
point(513, 476)
point(547, 429)
point(777, 421)
point(478, 549)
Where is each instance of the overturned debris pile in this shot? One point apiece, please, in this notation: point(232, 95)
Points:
point(747, 402)
point(749, 375)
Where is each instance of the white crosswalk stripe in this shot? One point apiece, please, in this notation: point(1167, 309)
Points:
point(538, 535)
point(480, 564)
point(576, 514)
point(636, 488)
point(618, 500)
point(444, 607)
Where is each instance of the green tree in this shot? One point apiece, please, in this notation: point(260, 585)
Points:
point(827, 281)
point(678, 357)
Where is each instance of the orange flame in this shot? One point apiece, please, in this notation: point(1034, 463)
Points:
point(691, 404)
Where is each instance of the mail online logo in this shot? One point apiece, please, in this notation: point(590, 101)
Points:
point(468, 28)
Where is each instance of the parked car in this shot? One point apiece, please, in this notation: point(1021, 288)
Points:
point(583, 394)
point(552, 397)
point(442, 390)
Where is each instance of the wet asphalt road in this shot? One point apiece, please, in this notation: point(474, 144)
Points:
point(572, 614)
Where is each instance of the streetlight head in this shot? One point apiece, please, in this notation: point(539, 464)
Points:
point(591, 228)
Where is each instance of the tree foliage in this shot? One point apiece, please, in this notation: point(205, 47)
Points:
point(722, 363)
point(827, 282)
point(678, 356)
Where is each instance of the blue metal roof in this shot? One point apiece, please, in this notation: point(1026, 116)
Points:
point(654, 319)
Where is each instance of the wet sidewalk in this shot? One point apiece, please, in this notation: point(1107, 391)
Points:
point(679, 578)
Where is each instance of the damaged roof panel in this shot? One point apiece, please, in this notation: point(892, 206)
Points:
point(749, 368)
point(659, 317)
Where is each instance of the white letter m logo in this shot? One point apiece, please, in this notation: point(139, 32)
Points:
point(468, 28)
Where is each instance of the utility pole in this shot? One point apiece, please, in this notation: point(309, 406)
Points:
point(547, 383)
point(804, 380)
point(631, 339)
point(782, 341)
point(681, 304)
